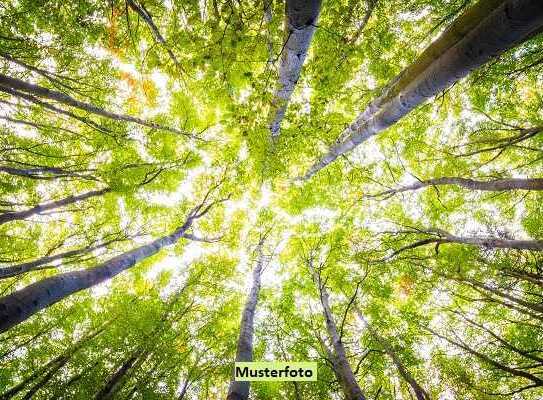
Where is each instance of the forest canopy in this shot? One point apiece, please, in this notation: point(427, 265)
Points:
point(185, 184)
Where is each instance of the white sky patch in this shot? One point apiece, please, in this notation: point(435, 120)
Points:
point(164, 97)
point(303, 97)
point(100, 290)
point(266, 195)
point(367, 153)
point(125, 218)
point(96, 51)
point(447, 394)
point(168, 263)
point(244, 95)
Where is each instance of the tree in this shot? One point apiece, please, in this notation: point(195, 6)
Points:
point(338, 356)
point(300, 22)
point(239, 390)
point(412, 270)
point(512, 22)
point(22, 304)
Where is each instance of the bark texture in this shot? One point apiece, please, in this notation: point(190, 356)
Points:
point(300, 21)
point(240, 390)
point(439, 236)
point(342, 368)
point(7, 83)
point(40, 208)
point(510, 23)
point(460, 27)
point(493, 186)
point(41, 263)
point(22, 304)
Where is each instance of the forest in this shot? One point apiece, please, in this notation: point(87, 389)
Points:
point(186, 184)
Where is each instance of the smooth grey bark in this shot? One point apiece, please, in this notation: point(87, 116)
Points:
point(301, 17)
point(240, 390)
point(460, 27)
point(40, 208)
point(492, 242)
point(493, 185)
point(42, 173)
point(439, 236)
point(7, 82)
point(512, 22)
point(404, 373)
point(22, 304)
point(342, 368)
point(41, 263)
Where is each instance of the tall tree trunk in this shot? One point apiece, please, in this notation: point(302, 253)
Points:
point(342, 368)
point(459, 28)
point(40, 208)
point(41, 263)
point(20, 305)
point(7, 82)
point(494, 243)
point(240, 390)
point(494, 185)
point(506, 26)
point(301, 18)
point(439, 236)
point(404, 373)
point(44, 173)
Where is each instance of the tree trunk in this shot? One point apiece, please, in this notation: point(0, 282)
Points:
point(459, 28)
point(508, 25)
point(40, 91)
point(419, 391)
point(40, 263)
point(240, 390)
point(41, 173)
point(40, 208)
point(300, 23)
point(20, 305)
point(442, 237)
point(494, 185)
point(343, 370)
point(495, 243)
